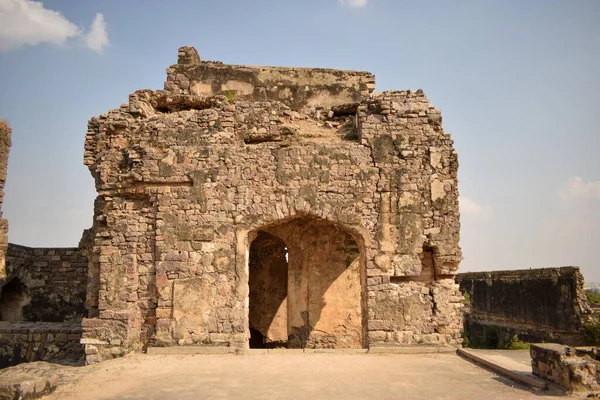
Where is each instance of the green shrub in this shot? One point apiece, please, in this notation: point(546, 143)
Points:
point(230, 96)
point(591, 333)
point(593, 296)
point(467, 297)
point(518, 344)
point(465, 337)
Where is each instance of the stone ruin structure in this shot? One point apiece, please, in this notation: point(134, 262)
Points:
point(574, 369)
point(255, 207)
point(271, 207)
point(536, 305)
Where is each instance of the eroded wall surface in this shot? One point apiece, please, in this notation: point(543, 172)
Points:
point(187, 177)
point(545, 304)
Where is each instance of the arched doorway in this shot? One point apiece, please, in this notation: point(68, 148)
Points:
point(12, 300)
point(306, 280)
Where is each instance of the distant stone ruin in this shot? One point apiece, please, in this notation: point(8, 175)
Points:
point(536, 305)
point(254, 207)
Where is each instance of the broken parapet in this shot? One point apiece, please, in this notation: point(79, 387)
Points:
point(298, 88)
point(5, 132)
point(573, 369)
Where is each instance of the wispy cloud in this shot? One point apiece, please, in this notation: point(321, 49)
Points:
point(29, 23)
point(579, 189)
point(353, 3)
point(97, 39)
point(472, 208)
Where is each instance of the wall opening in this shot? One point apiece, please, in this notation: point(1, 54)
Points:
point(428, 269)
point(268, 292)
point(306, 279)
point(12, 300)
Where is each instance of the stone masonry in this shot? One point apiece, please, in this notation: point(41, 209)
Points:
point(5, 142)
point(574, 369)
point(46, 284)
point(542, 304)
point(271, 207)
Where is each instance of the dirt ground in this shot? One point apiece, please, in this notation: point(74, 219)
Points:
point(290, 376)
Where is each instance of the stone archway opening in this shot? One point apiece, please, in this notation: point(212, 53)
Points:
point(12, 300)
point(306, 281)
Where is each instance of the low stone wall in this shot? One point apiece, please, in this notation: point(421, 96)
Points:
point(53, 284)
point(573, 369)
point(537, 305)
point(40, 341)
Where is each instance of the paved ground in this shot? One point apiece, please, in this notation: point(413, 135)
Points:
point(520, 356)
point(291, 376)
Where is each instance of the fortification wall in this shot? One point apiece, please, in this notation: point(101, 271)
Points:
point(44, 284)
point(546, 304)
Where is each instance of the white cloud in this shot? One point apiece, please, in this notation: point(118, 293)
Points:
point(579, 189)
point(353, 3)
point(24, 22)
point(97, 39)
point(470, 207)
point(28, 23)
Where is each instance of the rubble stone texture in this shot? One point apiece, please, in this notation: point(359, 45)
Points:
point(573, 369)
point(45, 284)
point(266, 206)
point(5, 142)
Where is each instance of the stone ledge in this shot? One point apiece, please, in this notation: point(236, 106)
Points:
point(507, 367)
point(40, 327)
point(408, 349)
point(411, 349)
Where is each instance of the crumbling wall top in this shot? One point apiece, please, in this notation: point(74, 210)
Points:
point(299, 88)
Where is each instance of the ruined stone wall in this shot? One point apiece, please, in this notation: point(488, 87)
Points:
point(546, 304)
point(575, 370)
point(187, 179)
point(40, 341)
point(298, 88)
point(52, 283)
point(5, 142)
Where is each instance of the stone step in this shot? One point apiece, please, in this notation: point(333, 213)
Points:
point(504, 365)
point(408, 349)
point(412, 349)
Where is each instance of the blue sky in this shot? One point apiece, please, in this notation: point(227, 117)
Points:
point(517, 82)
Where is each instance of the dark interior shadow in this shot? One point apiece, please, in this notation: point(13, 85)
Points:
point(268, 270)
point(12, 300)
